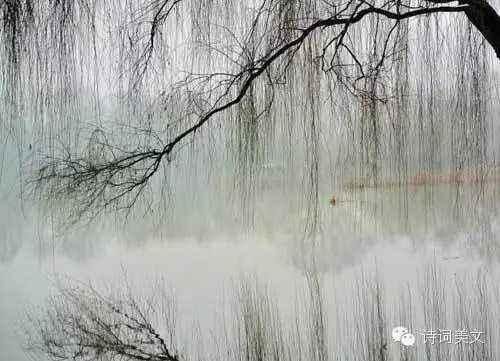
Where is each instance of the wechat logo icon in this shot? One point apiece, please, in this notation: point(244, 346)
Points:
point(402, 335)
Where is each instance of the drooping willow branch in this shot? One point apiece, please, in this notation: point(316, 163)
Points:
point(81, 323)
point(118, 178)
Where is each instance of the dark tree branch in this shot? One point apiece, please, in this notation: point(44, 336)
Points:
point(486, 20)
point(121, 175)
point(82, 324)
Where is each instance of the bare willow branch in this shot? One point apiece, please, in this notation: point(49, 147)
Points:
point(80, 323)
point(106, 183)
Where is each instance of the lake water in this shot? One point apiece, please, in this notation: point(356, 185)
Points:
point(363, 239)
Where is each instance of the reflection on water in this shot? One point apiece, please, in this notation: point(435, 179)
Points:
point(245, 300)
point(366, 240)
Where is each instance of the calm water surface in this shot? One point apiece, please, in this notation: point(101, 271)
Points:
point(200, 272)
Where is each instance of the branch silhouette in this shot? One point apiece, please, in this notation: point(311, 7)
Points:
point(117, 178)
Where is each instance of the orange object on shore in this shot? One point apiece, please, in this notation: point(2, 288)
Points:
point(459, 176)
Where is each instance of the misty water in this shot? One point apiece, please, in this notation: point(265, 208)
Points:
point(361, 244)
point(306, 222)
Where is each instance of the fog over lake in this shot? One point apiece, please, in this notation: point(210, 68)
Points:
point(226, 180)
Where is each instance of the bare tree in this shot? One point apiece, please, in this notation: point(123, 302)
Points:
point(275, 43)
point(81, 323)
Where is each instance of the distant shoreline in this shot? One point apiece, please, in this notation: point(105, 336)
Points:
point(462, 176)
